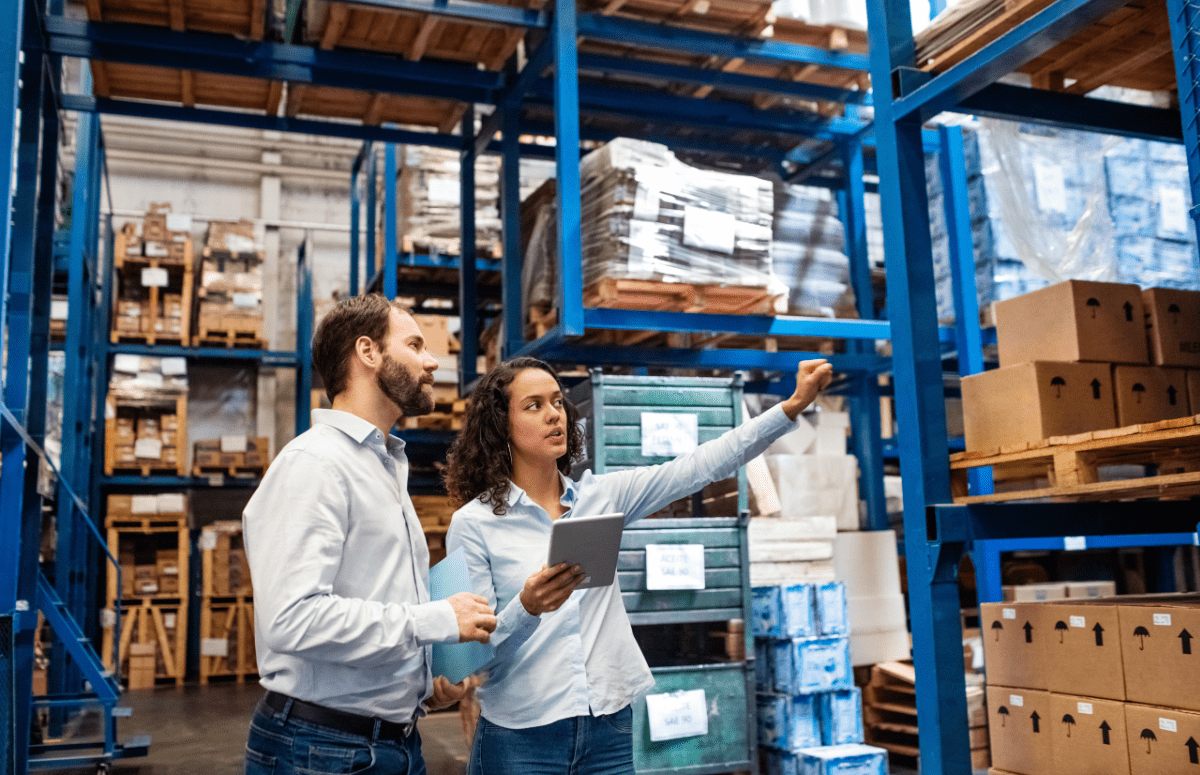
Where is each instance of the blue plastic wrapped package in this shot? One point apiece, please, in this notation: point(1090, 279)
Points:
point(764, 664)
point(813, 665)
point(797, 609)
point(853, 759)
point(788, 723)
point(841, 717)
point(772, 720)
point(783, 763)
point(767, 611)
point(830, 604)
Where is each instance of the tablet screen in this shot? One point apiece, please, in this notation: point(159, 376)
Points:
point(592, 542)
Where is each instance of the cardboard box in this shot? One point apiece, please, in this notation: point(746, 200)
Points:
point(1019, 728)
point(436, 332)
point(1160, 658)
point(142, 659)
point(125, 455)
point(1083, 649)
point(170, 422)
point(128, 325)
point(1074, 320)
point(1088, 736)
point(1148, 394)
point(168, 585)
point(1034, 401)
point(1035, 593)
point(1091, 589)
point(1015, 639)
point(120, 506)
point(1173, 326)
point(147, 428)
point(1162, 741)
point(206, 458)
point(131, 309)
point(1193, 389)
point(125, 437)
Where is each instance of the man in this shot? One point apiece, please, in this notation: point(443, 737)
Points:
point(343, 620)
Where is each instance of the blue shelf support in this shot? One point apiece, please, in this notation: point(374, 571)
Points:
point(566, 154)
point(391, 242)
point(1184, 18)
point(468, 292)
point(371, 182)
point(304, 334)
point(356, 218)
point(511, 329)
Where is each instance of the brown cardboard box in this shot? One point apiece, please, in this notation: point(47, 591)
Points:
point(125, 437)
point(170, 422)
point(168, 585)
point(145, 580)
point(142, 657)
point(1148, 394)
point(1193, 386)
point(1034, 401)
point(1088, 736)
point(208, 445)
point(1161, 662)
point(125, 455)
point(206, 458)
point(147, 428)
point(1074, 320)
point(437, 334)
point(1014, 644)
point(1173, 326)
point(120, 506)
point(1083, 649)
point(1090, 590)
point(1018, 726)
point(128, 325)
point(1162, 741)
point(1035, 593)
point(127, 573)
point(169, 456)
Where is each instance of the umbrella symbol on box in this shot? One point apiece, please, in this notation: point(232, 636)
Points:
point(1061, 626)
point(1094, 303)
point(1058, 383)
point(1141, 633)
point(1174, 310)
point(1003, 711)
point(1149, 736)
point(1138, 388)
point(997, 626)
point(1069, 720)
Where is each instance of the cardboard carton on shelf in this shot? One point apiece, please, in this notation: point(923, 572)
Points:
point(1019, 722)
point(142, 660)
point(1035, 593)
point(1015, 641)
point(1173, 326)
point(1034, 401)
point(1162, 741)
point(1161, 660)
point(1083, 649)
point(1091, 589)
point(1147, 394)
point(1087, 736)
point(436, 332)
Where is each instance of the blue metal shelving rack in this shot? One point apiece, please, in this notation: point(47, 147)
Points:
point(936, 533)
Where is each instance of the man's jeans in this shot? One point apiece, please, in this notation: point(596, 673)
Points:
point(279, 745)
point(583, 745)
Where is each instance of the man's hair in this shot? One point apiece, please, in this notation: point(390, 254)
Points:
point(333, 343)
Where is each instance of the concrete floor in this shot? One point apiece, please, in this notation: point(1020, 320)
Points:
point(201, 730)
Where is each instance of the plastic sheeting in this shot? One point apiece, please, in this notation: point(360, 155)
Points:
point(808, 252)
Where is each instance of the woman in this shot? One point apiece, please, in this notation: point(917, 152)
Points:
point(558, 696)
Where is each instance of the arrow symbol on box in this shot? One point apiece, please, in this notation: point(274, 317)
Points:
point(1095, 388)
point(1035, 718)
point(1186, 637)
point(1128, 311)
point(1104, 729)
point(1099, 634)
point(1193, 750)
point(1028, 628)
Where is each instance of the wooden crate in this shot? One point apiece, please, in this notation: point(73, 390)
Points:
point(243, 18)
point(252, 462)
point(224, 570)
point(180, 282)
point(163, 626)
point(227, 639)
point(1071, 464)
point(229, 331)
point(190, 88)
point(116, 406)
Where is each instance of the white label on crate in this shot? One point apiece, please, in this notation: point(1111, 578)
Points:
point(246, 300)
point(1017, 700)
point(214, 647)
point(674, 566)
point(678, 714)
point(174, 367)
point(148, 448)
point(150, 380)
point(1008, 613)
point(1050, 186)
point(669, 434)
point(170, 503)
point(169, 621)
point(154, 277)
point(108, 618)
point(127, 364)
point(233, 442)
point(125, 712)
point(144, 504)
point(216, 480)
point(445, 191)
point(208, 540)
point(1084, 708)
point(156, 249)
point(1167, 724)
point(646, 201)
point(1078, 621)
point(179, 222)
point(709, 229)
point(1075, 543)
point(1172, 209)
point(60, 309)
point(1162, 620)
point(169, 570)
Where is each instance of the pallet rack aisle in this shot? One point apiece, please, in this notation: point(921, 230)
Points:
point(908, 93)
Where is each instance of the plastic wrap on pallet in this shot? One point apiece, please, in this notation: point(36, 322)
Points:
point(841, 717)
point(808, 252)
point(431, 199)
point(147, 378)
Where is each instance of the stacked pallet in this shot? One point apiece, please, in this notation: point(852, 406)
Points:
point(430, 202)
point(230, 310)
point(234, 455)
point(226, 606)
point(154, 278)
point(146, 415)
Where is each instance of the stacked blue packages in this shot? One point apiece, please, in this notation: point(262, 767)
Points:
point(813, 665)
point(830, 605)
point(853, 759)
point(784, 611)
point(841, 717)
point(788, 723)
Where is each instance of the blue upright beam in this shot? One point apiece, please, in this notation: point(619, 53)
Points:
point(468, 292)
point(391, 243)
point(355, 219)
point(304, 334)
point(1184, 19)
point(511, 328)
point(566, 151)
point(371, 181)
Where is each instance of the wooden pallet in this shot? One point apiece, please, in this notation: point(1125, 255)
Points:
point(1071, 464)
point(147, 623)
point(180, 278)
point(189, 88)
point(612, 293)
point(229, 338)
point(445, 417)
point(232, 621)
point(248, 472)
point(451, 246)
point(111, 465)
point(147, 523)
point(120, 337)
point(243, 18)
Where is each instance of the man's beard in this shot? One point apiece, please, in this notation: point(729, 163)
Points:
point(405, 390)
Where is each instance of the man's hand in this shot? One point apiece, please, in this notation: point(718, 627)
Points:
point(476, 620)
point(445, 693)
point(549, 588)
point(811, 378)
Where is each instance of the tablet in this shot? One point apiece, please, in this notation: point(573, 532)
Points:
point(592, 542)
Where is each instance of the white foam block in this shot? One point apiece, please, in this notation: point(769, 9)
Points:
point(795, 443)
point(817, 485)
point(762, 529)
point(791, 551)
point(876, 614)
point(875, 647)
point(830, 440)
point(770, 574)
point(868, 563)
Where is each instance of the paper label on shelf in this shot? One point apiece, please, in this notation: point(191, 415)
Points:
point(1075, 543)
point(170, 503)
point(1008, 613)
point(709, 230)
point(1167, 724)
point(1078, 621)
point(233, 442)
point(173, 367)
point(216, 480)
point(214, 647)
point(1172, 209)
point(148, 448)
point(1050, 186)
point(1084, 708)
point(245, 300)
point(144, 504)
point(169, 620)
point(1162, 620)
point(127, 364)
point(208, 540)
point(151, 380)
point(179, 222)
point(122, 712)
point(445, 191)
point(1017, 700)
point(674, 566)
point(154, 277)
point(669, 434)
point(678, 714)
point(59, 309)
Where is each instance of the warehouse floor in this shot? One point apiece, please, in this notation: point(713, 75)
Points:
point(201, 730)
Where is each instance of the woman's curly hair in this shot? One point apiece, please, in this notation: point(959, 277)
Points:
point(479, 463)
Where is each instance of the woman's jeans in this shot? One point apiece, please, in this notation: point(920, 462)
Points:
point(583, 745)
